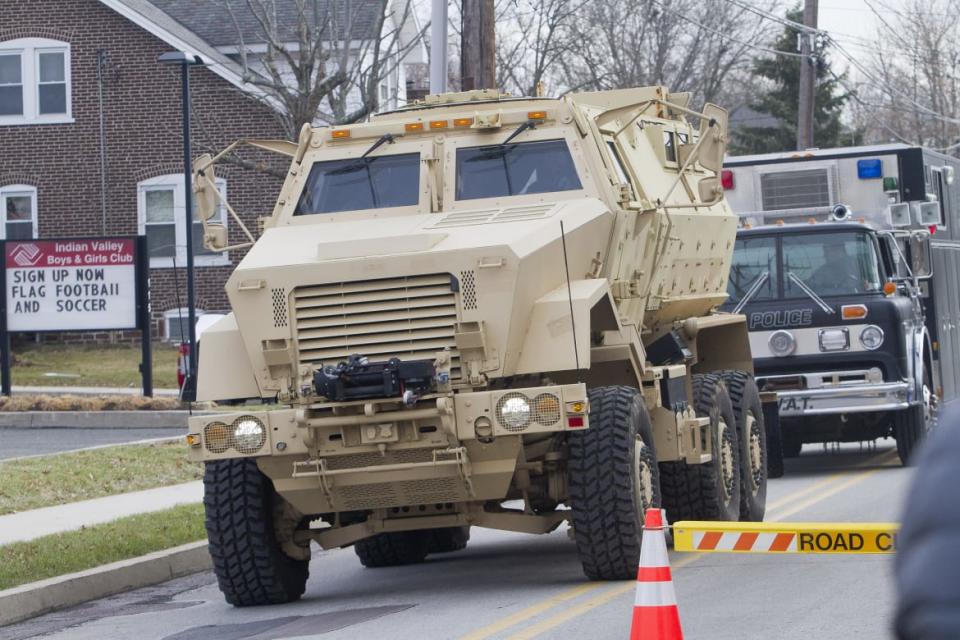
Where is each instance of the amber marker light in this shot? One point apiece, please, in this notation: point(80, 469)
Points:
point(193, 439)
point(438, 124)
point(889, 288)
point(340, 134)
point(413, 126)
point(853, 311)
point(536, 115)
point(462, 122)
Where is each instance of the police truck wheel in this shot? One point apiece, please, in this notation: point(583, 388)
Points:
point(613, 478)
point(752, 434)
point(910, 426)
point(393, 549)
point(449, 539)
point(709, 491)
point(247, 560)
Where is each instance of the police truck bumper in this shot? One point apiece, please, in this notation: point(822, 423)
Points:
point(831, 393)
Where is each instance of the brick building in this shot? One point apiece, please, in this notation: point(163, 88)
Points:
point(66, 66)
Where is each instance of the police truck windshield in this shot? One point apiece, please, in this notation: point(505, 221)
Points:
point(352, 184)
point(515, 169)
point(829, 264)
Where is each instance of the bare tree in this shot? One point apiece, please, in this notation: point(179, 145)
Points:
point(911, 75)
point(321, 61)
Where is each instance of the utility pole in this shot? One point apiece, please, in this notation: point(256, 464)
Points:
point(478, 60)
point(438, 47)
point(808, 77)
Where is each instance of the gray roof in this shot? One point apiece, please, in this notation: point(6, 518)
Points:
point(212, 22)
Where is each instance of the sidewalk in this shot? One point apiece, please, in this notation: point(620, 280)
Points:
point(91, 391)
point(28, 525)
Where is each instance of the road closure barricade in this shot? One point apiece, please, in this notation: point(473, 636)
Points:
point(784, 537)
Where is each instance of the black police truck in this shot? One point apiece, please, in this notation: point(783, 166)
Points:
point(854, 308)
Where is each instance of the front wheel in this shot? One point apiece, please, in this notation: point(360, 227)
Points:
point(251, 569)
point(613, 480)
point(911, 425)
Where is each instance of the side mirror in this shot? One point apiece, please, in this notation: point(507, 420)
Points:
point(215, 236)
point(713, 138)
point(921, 259)
point(204, 189)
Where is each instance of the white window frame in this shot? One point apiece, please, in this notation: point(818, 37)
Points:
point(17, 190)
point(174, 182)
point(29, 50)
point(176, 314)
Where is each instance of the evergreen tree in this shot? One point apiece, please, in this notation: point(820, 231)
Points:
point(782, 75)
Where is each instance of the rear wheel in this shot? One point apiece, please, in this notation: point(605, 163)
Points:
point(751, 432)
point(449, 539)
point(613, 479)
point(393, 549)
point(709, 491)
point(251, 569)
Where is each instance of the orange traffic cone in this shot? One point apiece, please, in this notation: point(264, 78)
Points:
point(655, 613)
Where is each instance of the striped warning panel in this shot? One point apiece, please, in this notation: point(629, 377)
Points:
point(785, 537)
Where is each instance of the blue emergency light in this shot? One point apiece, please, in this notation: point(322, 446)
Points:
point(869, 168)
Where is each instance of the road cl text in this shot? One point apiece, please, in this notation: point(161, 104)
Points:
point(846, 542)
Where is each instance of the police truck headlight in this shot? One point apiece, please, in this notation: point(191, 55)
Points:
point(782, 343)
point(871, 337)
point(513, 411)
point(249, 434)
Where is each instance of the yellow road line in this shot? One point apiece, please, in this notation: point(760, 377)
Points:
point(533, 610)
point(582, 608)
point(570, 594)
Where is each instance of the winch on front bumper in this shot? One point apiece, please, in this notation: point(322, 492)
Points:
point(836, 392)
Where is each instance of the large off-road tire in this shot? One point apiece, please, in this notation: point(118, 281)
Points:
point(613, 478)
point(393, 549)
point(449, 539)
point(247, 560)
point(910, 426)
point(752, 434)
point(708, 491)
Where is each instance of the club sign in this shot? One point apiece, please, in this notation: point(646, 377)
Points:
point(71, 285)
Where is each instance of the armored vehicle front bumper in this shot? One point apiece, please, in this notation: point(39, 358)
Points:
point(380, 454)
point(836, 392)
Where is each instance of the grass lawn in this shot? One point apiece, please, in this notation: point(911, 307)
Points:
point(68, 477)
point(63, 553)
point(90, 365)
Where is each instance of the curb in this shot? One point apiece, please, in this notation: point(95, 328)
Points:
point(29, 600)
point(144, 419)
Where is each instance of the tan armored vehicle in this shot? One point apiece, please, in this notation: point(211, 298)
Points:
point(480, 311)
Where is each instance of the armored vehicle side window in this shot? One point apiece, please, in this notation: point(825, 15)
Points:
point(830, 264)
point(361, 183)
point(753, 259)
point(515, 169)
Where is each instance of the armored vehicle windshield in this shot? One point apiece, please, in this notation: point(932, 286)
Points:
point(352, 184)
point(515, 169)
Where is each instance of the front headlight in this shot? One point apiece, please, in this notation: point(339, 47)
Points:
point(871, 337)
point(782, 343)
point(513, 412)
point(249, 434)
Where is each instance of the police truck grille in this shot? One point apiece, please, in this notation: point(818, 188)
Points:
point(410, 318)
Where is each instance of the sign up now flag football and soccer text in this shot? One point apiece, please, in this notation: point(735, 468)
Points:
point(71, 285)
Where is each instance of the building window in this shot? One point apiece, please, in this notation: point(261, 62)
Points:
point(175, 324)
point(34, 81)
point(161, 205)
point(18, 204)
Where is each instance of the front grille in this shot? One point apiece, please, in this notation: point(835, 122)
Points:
point(411, 318)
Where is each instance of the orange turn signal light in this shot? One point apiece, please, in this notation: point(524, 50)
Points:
point(536, 115)
point(438, 124)
point(413, 126)
point(889, 288)
point(462, 122)
point(340, 134)
point(853, 311)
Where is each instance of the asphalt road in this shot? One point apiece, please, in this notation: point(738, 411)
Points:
point(517, 586)
point(35, 441)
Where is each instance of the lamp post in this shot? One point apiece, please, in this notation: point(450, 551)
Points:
point(185, 61)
